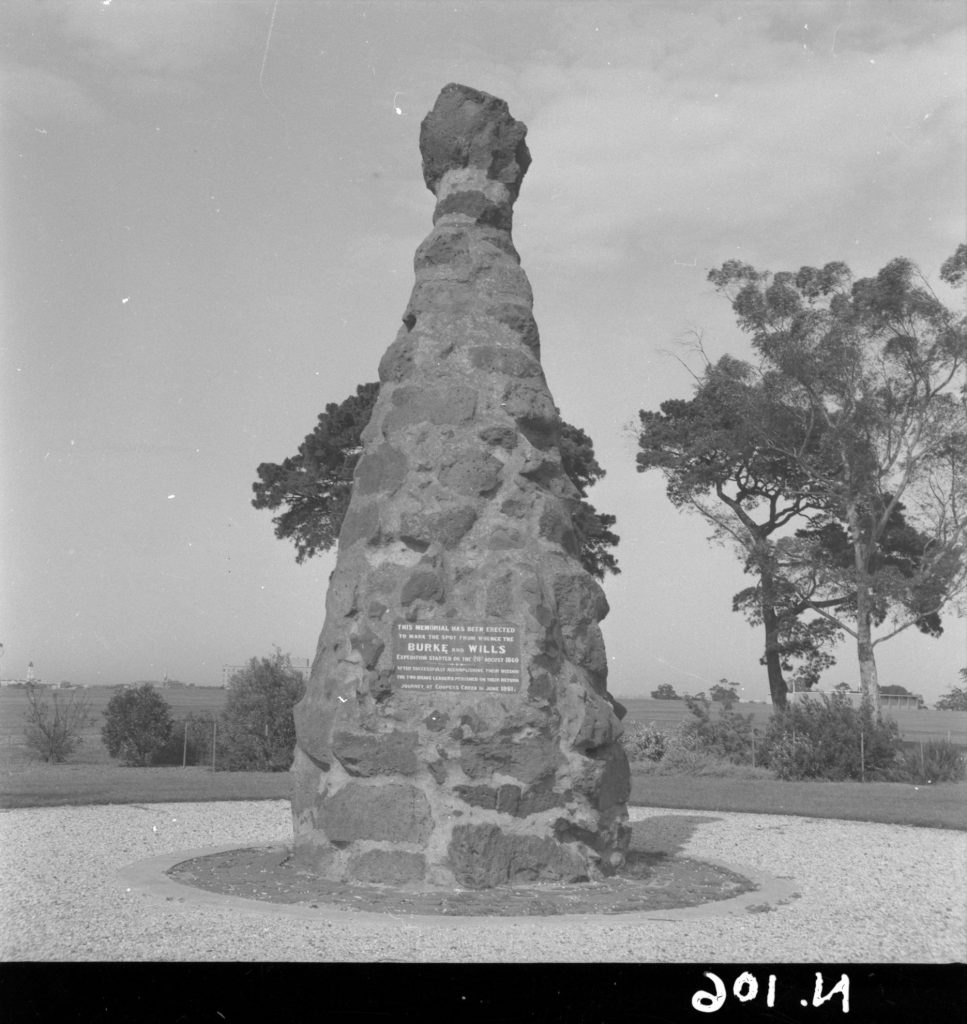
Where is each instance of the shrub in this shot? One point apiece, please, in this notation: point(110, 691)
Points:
point(644, 742)
point(830, 739)
point(724, 692)
point(198, 749)
point(792, 756)
point(257, 730)
point(727, 736)
point(692, 760)
point(138, 724)
point(53, 728)
point(933, 761)
point(956, 700)
point(681, 758)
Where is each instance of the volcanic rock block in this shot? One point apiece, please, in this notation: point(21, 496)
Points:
point(421, 758)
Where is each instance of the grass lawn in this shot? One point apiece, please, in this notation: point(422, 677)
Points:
point(940, 806)
point(48, 785)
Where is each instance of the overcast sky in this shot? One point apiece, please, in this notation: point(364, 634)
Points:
point(210, 209)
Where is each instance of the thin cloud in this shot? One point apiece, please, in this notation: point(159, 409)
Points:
point(157, 38)
point(141, 46)
point(43, 98)
point(765, 130)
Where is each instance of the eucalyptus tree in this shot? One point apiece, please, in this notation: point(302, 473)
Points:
point(874, 370)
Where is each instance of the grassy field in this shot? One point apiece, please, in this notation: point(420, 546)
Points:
point(199, 700)
point(92, 778)
point(914, 725)
point(668, 714)
point(50, 785)
point(941, 806)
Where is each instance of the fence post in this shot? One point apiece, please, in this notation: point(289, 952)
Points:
point(214, 738)
point(753, 748)
point(862, 760)
point(184, 747)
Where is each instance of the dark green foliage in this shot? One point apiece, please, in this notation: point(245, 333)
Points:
point(801, 646)
point(593, 528)
point(828, 738)
point(665, 692)
point(726, 454)
point(138, 724)
point(898, 556)
point(724, 692)
point(315, 485)
point(956, 700)
point(644, 742)
point(52, 728)
point(171, 752)
point(954, 269)
point(879, 364)
point(933, 761)
point(727, 735)
point(199, 746)
point(256, 731)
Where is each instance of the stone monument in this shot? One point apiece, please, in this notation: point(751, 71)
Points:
point(456, 728)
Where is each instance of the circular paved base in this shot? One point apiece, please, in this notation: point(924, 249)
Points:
point(657, 883)
point(648, 883)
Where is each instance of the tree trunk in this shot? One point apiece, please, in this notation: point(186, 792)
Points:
point(868, 677)
point(770, 621)
point(777, 684)
point(864, 630)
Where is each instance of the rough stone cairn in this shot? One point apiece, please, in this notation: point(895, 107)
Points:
point(460, 520)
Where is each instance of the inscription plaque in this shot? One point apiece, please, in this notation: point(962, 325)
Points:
point(463, 657)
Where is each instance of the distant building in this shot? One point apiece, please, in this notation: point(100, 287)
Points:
point(901, 700)
point(29, 679)
point(887, 700)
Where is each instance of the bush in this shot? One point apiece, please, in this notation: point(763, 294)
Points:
point(831, 739)
point(653, 752)
point(727, 736)
point(53, 728)
point(257, 730)
point(933, 761)
point(724, 692)
point(138, 724)
point(685, 757)
point(644, 742)
point(956, 700)
point(682, 757)
point(199, 746)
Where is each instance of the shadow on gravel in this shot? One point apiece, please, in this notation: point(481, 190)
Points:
point(665, 835)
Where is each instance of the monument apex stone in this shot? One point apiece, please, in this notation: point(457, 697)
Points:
point(456, 727)
point(470, 128)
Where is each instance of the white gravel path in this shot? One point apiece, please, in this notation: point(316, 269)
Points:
point(869, 893)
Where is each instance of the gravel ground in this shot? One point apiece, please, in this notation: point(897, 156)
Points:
point(869, 893)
